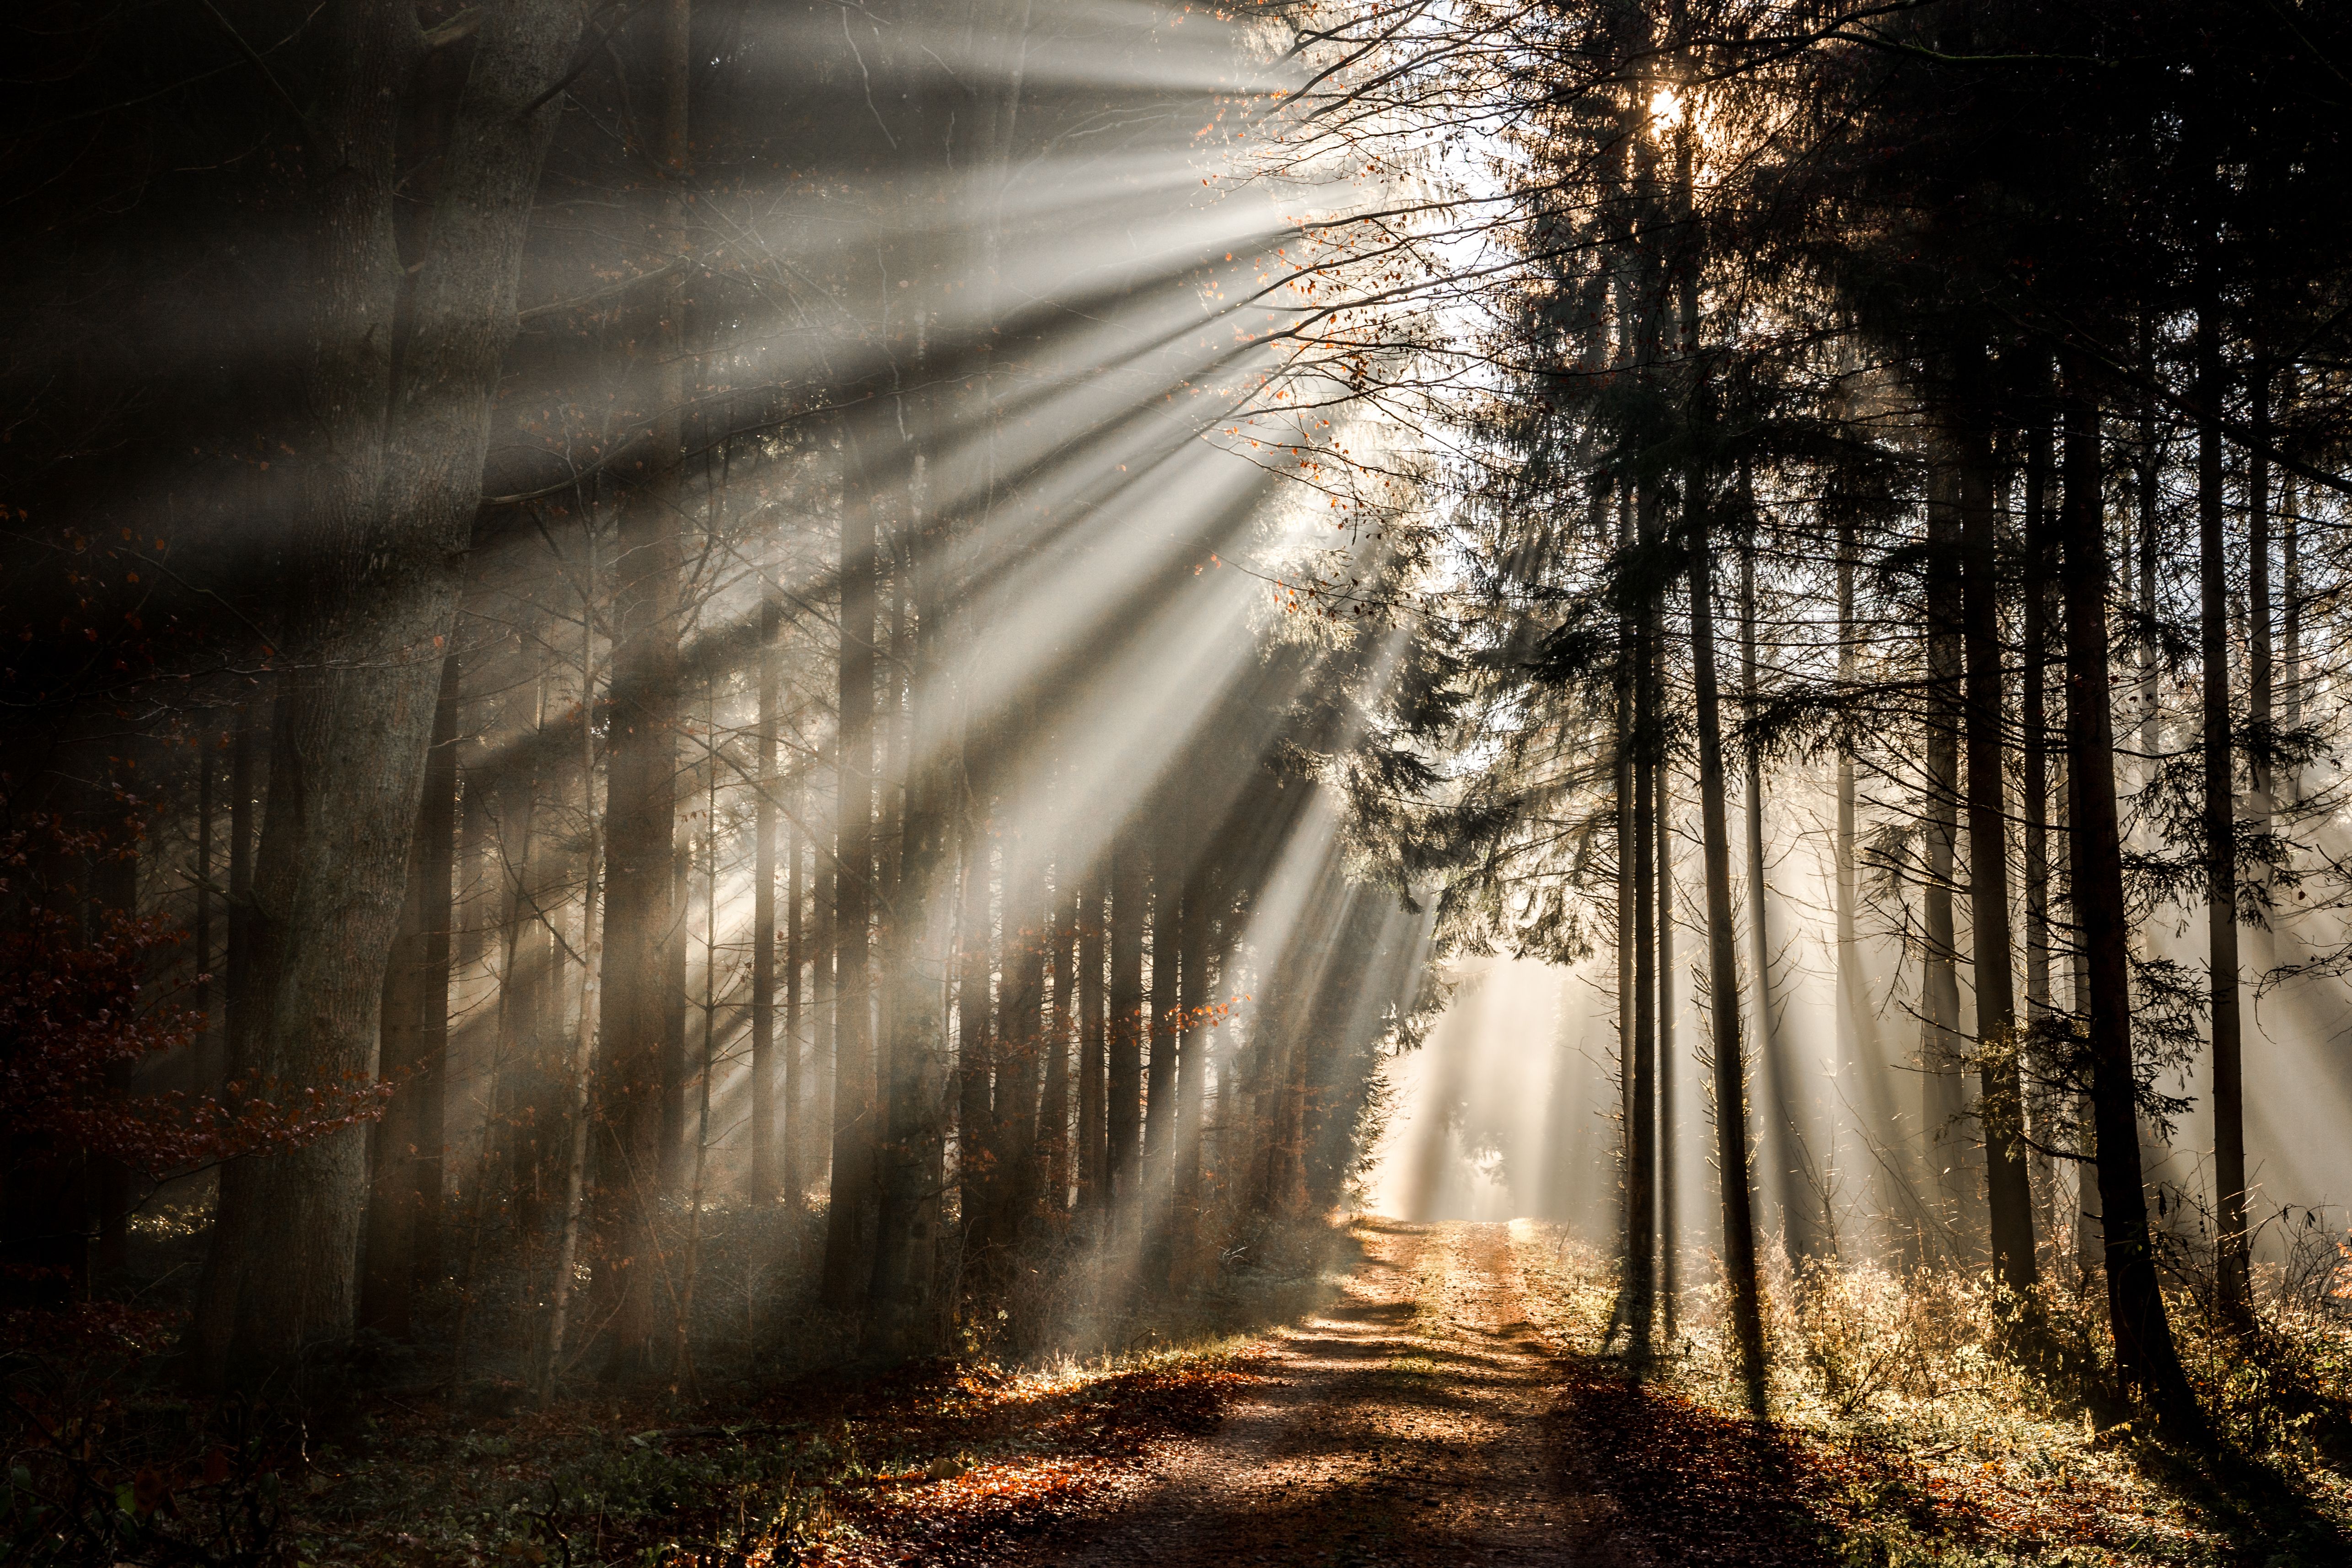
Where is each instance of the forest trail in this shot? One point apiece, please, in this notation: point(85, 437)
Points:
point(1414, 1421)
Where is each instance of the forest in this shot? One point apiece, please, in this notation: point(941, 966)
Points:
point(1338, 781)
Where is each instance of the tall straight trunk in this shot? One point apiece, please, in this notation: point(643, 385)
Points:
point(2144, 1352)
point(400, 369)
point(918, 934)
point(1093, 1176)
point(1943, 1102)
point(405, 1162)
point(1858, 1061)
point(1792, 1171)
point(248, 765)
point(2000, 1107)
point(850, 1216)
point(765, 1072)
point(1640, 1291)
point(580, 1076)
point(825, 1010)
point(2034, 721)
point(1128, 1027)
point(1020, 1039)
point(204, 1065)
point(1626, 780)
point(641, 783)
point(1723, 987)
point(1662, 1160)
point(677, 1070)
point(792, 1166)
point(2291, 620)
point(975, 1026)
point(2262, 692)
point(1195, 1031)
point(1054, 1116)
point(1159, 1089)
point(2149, 484)
point(2220, 810)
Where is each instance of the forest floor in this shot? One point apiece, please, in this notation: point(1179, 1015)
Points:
point(1425, 1394)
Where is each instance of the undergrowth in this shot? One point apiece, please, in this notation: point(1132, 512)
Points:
point(1927, 1416)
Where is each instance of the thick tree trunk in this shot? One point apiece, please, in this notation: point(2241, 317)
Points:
point(415, 1041)
point(1639, 1288)
point(2221, 846)
point(1943, 1102)
point(642, 779)
point(393, 479)
point(2144, 1352)
point(2000, 1108)
point(1723, 989)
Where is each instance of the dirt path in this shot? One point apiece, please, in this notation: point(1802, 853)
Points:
point(1415, 1422)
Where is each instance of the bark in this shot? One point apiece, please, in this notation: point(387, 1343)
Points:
point(792, 1177)
point(2034, 720)
point(850, 1213)
point(1792, 1171)
point(1942, 1103)
point(2145, 1356)
point(919, 935)
point(765, 1067)
point(975, 1028)
point(2009, 1192)
point(1664, 1159)
point(1723, 989)
point(1127, 1026)
point(1194, 1033)
point(641, 917)
point(1160, 1089)
point(1640, 1289)
point(1093, 1176)
point(399, 377)
point(1054, 1113)
point(405, 1161)
point(2219, 816)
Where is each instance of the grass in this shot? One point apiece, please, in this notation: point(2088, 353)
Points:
point(1914, 1421)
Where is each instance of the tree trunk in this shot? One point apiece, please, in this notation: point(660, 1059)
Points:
point(416, 1040)
point(401, 370)
point(2001, 1109)
point(2232, 1268)
point(2034, 720)
point(1723, 989)
point(1053, 1114)
point(1129, 1025)
point(1792, 1171)
point(2145, 1353)
point(1093, 1174)
point(919, 935)
point(764, 1065)
point(1662, 1157)
point(850, 1216)
point(792, 1168)
point(1943, 1103)
point(1640, 1288)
